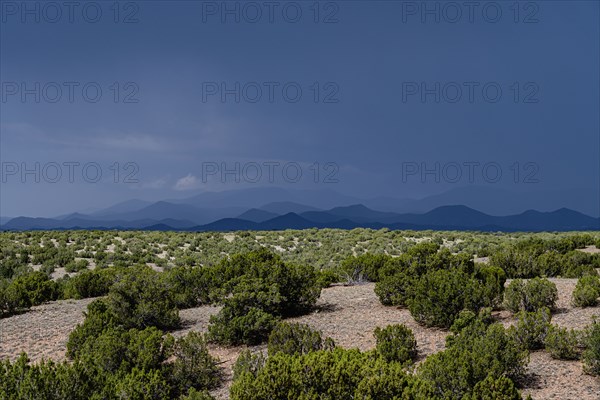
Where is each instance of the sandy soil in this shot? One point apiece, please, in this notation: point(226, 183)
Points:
point(348, 314)
point(590, 249)
point(43, 331)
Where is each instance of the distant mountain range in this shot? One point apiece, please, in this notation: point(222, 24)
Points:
point(282, 215)
point(272, 208)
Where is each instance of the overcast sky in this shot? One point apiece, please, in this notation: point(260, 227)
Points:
point(367, 93)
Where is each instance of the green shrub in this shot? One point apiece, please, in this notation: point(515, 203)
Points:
point(76, 266)
point(297, 284)
point(492, 388)
point(78, 381)
point(516, 264)
point(44, 380)
point(140, 298)
point(193, 394)
point(194, 367)
point(248, 362)
point(38, 286)
point(191, 285)
point(535, 257)
point(439, 296)
point(591, 354)
point(259, 289)
point(467, 318)
point(88, 284)
point(384, 381)
point(251, 328)
point(142, 385)
point(116, 350)
point(395, 289)
point(396, 343)
point(563, 344)
point(253, 293)
point(297, 339)
point(97, 318)
point(247, 314)
point(26, 290)
point(13, 298)
point(577, 264)
point(587, 291)
point(322, 375)
point(327, 277)
point(530, 295)
point(531, 328)
point(356, 269)
point(477, 351)
point(492, 279)
point(464, 319)
point(436, 284)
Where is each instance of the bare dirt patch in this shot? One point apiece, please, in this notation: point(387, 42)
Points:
point(43, 331)
point(590, 249)
point(349, 314)
point(557, 379)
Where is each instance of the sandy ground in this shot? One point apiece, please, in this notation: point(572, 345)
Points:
point(348, 314)
point(43, 331)
point(590, 249)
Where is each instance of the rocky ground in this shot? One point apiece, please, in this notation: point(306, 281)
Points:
point(348, 314)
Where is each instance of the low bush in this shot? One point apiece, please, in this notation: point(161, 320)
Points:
point(13, 298)
point(257, 290)
point(394, 290)
point(139, 298)
point(563, 344)
point(437, 285)
point(297, 339)
point(116, 350)
point(297, 284)
point(492, 388)
point(530, 295)
point(591, 354)
point(536, 257)
point(194, 367)
point(120, 365)
point(587, 291)
point(76, 266)
point(193, 394)
point(45, 380)
point(251, 328)
point(88, 284)
point(396, 343)
point(516, 264)
point(466, 318)
point(26, 290)
point(247, 316)
point(248, 362)
point(327, 277)
point(140, 384)
point(474, 353)
point(191, 286)
point(492, 279)
point(366, 267)
point(323, 375)
point(98, 317)
point(439, 296)
point(531, 328)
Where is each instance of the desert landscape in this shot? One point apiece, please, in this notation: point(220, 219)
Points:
point(348, 309)
point(299, 200)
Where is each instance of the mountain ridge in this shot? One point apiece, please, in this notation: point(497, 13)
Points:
point(450, 217)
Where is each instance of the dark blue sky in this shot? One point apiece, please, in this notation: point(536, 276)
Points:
point(380, 84)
